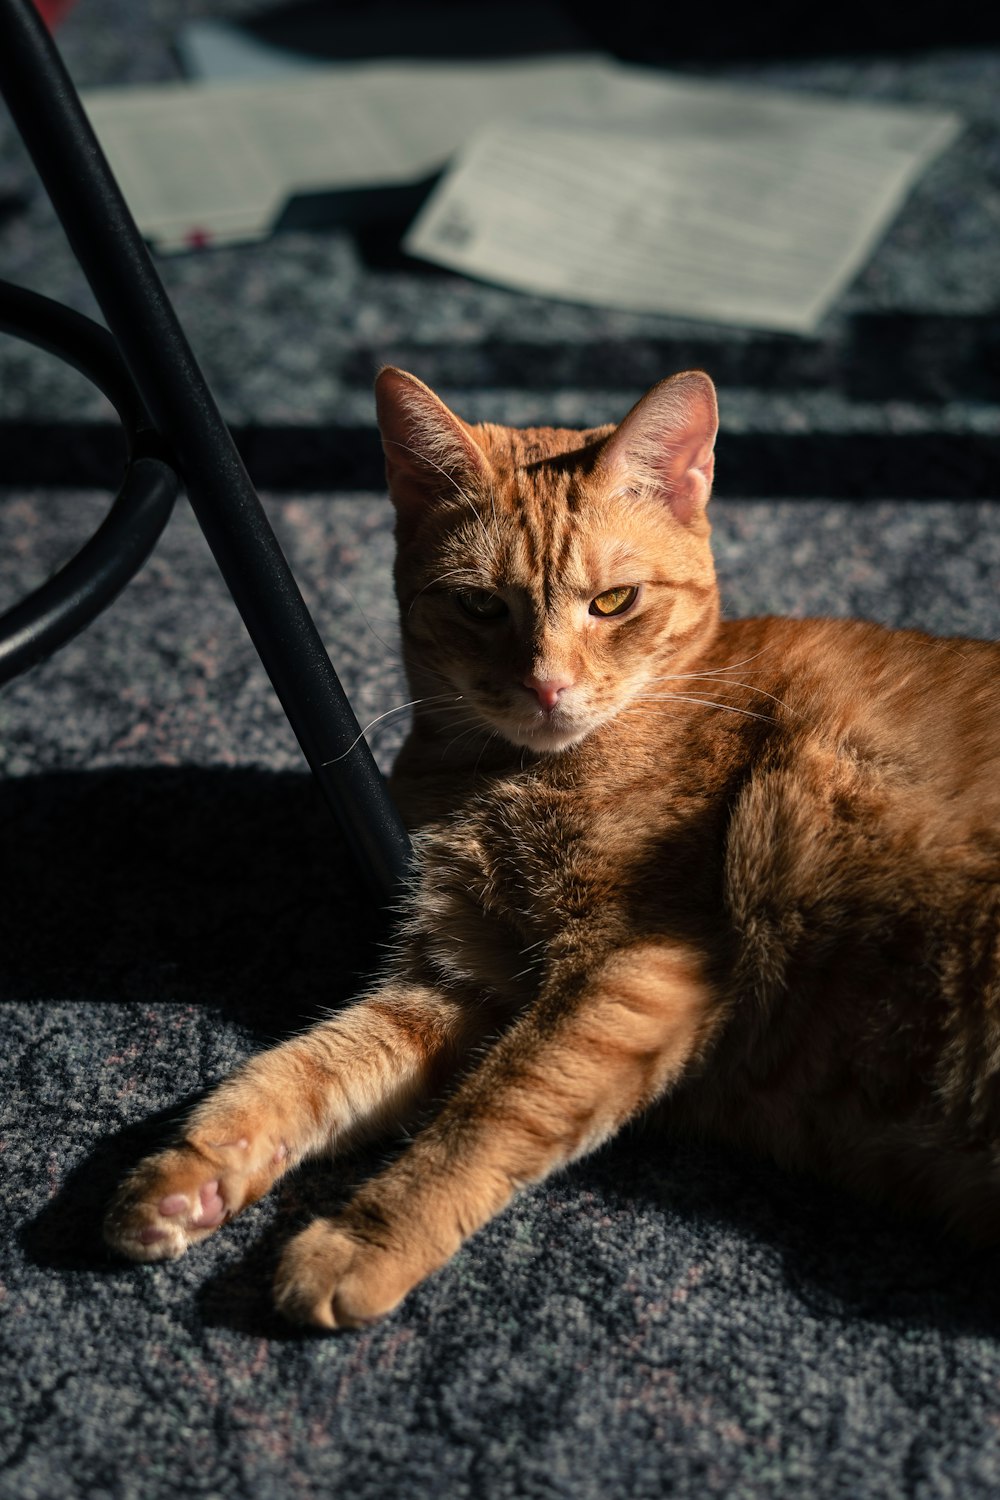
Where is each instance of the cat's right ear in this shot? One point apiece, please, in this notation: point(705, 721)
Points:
point(665, 447)
point(428, 450)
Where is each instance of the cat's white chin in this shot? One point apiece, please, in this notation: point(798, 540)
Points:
point(547, 736)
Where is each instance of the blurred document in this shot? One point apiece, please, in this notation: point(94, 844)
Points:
point(576, 177)
point(741, 205)
point(201, 164)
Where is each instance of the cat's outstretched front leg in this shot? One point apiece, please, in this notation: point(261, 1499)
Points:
point(590, 1054)
point(364, 1067)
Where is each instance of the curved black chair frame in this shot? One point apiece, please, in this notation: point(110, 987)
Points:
point(74, 596)
point(175, 433)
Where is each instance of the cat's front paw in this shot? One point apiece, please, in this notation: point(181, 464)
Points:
point(328, 1278)
point(178, 1197)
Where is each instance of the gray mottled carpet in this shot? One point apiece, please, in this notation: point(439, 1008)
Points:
point(663, 1319)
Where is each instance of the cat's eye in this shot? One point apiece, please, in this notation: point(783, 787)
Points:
point(615, 601)
point(481, 604)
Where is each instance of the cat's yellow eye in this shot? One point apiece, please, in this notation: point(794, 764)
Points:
point(481, 604)
point(615, 601)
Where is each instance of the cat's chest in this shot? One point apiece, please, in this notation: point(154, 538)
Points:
point(540, 858)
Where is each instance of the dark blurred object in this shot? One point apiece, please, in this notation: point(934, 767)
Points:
point(629, 29)
point(11, 204)
point(381, 28)
point(378, 218)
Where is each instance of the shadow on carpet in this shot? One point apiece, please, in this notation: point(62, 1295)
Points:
point(230, 888)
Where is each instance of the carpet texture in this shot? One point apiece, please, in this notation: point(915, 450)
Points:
point(664, 1318)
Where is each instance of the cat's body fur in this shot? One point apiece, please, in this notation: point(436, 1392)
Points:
point(749, 870)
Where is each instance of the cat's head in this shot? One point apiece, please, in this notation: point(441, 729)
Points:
point(548, 578)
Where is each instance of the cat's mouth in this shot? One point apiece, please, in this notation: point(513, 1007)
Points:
point(546, 730)
point(547, 733)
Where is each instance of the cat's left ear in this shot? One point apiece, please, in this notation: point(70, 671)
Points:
point(429, 451)
point(666, 445)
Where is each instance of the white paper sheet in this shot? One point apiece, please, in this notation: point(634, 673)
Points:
point(674, 196)
point(203, 163)
point(576, 177)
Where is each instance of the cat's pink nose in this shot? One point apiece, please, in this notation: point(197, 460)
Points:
point(547, 689)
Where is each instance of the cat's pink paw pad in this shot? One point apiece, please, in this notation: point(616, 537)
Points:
point(151, 1235)
point(206, 1210)
point(211, 1209)
point(176, 1203)
point(157, 1214)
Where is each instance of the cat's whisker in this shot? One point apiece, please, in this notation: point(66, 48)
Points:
point(429, 671)
point(451, 480)
point(454, 741)
point(705, 702)
point(435, 698)
point(441, 709)
point(493, 508)
point(697, 697)
point(494, 735)
point(445, 708)
point(473, 723)
point(713, 674)
point(451, 573)
point(441, 714)
point(732, 666)
point(710, 671)
point(393, 650)
point(467, 715)
point(378, 720)
point(748, 686)
point(530, 947)
point(719, 674)
point(735, 665)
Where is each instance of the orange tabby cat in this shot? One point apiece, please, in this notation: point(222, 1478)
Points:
point(751, 869)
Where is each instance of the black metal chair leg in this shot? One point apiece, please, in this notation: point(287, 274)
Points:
point(116, 262)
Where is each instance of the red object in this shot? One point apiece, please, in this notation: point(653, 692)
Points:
point(53, 11)
point(198, 239)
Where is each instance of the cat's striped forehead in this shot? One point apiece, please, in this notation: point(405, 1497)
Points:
point(543, 477)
